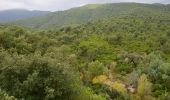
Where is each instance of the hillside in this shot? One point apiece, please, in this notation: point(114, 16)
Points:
point(16, 14)
point(88, 13)
point(125, 56)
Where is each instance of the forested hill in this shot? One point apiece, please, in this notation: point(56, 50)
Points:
point(16, 14)
point(91, 12)
point(123, 57)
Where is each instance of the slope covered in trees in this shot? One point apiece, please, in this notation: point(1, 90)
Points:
point(88, 13)
point(122, 57)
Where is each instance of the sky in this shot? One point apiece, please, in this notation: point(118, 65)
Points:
point(55, 5)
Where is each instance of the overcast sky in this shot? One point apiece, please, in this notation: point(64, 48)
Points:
point(54, 5)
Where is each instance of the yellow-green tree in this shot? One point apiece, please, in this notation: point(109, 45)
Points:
point(144, 87)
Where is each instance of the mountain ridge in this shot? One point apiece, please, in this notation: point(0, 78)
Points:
point(88, 13)
point(16, 14)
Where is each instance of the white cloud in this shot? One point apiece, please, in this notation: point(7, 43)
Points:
point(54, 5)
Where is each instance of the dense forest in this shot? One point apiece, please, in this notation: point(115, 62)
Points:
point(122, 56)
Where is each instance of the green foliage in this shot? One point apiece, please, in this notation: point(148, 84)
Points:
point(26, 75)
point(62, 63)
point(95, 69)
point(92, 50)
point(41, 73)
point(5, 96)
point(144, 86)
point(116, 39)
point(158, 72)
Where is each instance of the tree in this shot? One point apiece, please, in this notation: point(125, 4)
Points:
point(95, 68)
point(115, 39)
point(158, 72)
point(144, 87)
point(5, 96)
point(120, 87)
